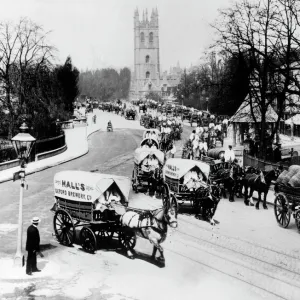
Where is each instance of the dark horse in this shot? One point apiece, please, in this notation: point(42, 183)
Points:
point(207, 200)
point(259, 181)
point(165, 143)
point(231, 180)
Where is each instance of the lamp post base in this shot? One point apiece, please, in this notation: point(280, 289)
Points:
point(19, 260)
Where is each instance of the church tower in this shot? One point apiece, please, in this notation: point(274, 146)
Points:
point(146, 53)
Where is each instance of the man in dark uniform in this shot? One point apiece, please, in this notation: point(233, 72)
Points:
point(32, 246)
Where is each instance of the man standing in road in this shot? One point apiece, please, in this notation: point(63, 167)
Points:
point(33, 246)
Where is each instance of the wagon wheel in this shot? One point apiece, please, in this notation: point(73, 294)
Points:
point(281, 210)
point(165, 195)
point(88, 240)
point(297, 219)
point(127, 239)
point(64, 227)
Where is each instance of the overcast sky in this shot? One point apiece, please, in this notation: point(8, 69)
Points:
point(99, 33)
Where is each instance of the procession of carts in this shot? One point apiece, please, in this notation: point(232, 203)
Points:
point(183, 182)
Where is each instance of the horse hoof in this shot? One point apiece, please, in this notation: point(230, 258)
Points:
point(251, 204)
point(161, 259)
point(265, 207)
point(246, 203)
point(257, 207)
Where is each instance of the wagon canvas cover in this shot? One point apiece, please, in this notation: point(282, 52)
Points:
point(86, 186)
point(144, 141)
point(156, 131)
point(177, 167)
point(141, 153)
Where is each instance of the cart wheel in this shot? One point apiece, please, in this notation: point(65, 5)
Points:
point(64, 227)
point(127, 239)
point(297, 219)
point(281, 210)
point(165, 195)
point(88, 240)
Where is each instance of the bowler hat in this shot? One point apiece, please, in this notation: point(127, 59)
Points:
point(35, 220)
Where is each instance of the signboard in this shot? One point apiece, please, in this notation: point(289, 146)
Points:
point(219, 166)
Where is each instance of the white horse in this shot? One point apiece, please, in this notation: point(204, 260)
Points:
point(151, 225)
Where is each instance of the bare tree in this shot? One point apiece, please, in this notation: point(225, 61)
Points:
point(264, 31)
point(22, 46)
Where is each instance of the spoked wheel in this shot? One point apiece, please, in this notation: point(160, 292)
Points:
point(64, 227)
point(127, 239)
point(165, 195)
point(297, 219)
point(282, 211)
point(88, 240)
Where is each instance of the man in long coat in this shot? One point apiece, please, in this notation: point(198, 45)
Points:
point(32, 246)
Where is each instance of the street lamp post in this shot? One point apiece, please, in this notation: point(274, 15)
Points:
point(23, 143)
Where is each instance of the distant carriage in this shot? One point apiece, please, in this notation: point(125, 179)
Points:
point(77, 195)
point(130, 113)
point(143, 169)
point(194, 118)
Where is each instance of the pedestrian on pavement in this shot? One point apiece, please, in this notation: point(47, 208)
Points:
point(33, 246)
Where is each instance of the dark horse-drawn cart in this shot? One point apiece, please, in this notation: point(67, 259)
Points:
point(287, 203)
point(130, 113)
point(188, 181)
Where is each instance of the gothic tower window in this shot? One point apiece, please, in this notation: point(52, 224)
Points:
point(151, 37)
point(142, 37)
point(147, 74)
point(147, 58)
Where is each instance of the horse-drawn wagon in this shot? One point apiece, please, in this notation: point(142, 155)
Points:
point(287, 203)
point(287, 199)
point(188, 180)
point(147, 166)
point(93, 202)
point(130, 113)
